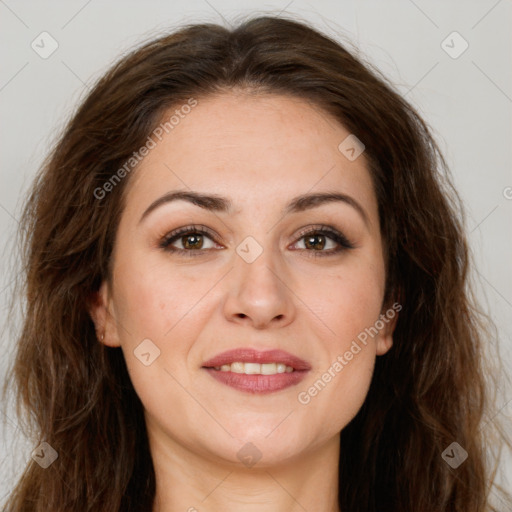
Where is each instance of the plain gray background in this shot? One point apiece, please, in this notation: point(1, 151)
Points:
point(466, 97)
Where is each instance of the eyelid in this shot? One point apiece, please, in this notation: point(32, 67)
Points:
point(165, 241)
point(319, 229)
point(325, 229)
point(343, 243)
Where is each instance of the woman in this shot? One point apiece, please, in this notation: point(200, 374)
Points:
point(246, 290)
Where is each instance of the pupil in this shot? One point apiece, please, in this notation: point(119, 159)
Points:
point(193, 245)
point(310, 242)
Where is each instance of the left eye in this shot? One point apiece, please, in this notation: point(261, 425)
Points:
point(317, 241)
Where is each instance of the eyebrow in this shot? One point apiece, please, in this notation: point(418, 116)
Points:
point(221, 204)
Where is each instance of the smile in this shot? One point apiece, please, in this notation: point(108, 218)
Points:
point(255, 368)
point(257, 372)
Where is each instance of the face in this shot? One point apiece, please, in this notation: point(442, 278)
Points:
point(254, 270)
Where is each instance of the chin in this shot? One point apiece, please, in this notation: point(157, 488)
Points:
point(258, 447)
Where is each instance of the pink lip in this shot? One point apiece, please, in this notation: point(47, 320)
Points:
point(249, 355)
point(257, 383)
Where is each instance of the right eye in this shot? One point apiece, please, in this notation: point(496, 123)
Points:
point(191, 239)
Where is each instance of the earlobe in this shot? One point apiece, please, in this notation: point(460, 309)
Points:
point(99, 305)
point(385, 338)
point(384, 344)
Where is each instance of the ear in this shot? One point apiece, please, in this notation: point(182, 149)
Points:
point(100, 309)
point(389, 318)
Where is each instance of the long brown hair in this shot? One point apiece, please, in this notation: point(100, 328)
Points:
point(429, 390)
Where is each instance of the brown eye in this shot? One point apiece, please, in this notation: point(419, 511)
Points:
point(316, 242)
point(191, 239)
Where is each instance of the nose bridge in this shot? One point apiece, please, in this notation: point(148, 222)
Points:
point(257, 291)
point(256, 267)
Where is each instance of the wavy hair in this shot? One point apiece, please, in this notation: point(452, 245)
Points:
point(431, 389)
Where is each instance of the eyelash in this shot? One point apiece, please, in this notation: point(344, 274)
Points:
point(342, 241)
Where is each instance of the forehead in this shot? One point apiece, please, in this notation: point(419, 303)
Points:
point(255, 149)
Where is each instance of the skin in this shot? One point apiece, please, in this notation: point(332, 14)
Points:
point(260, 151)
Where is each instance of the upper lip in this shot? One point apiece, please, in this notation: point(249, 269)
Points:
point(249, 355)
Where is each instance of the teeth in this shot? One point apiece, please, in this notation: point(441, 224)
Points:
point(237, 367)
point(255, 368)
point(252, 368)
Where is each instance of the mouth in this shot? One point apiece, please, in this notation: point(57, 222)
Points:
point(257, 372)
point(255, 368)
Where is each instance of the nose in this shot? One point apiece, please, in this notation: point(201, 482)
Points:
point(258, 295)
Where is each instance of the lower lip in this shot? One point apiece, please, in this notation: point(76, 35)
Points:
point(259, 384)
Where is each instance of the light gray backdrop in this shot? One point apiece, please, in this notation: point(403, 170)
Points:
point(450, 59)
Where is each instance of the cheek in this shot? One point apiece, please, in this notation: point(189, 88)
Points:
point(339, 387)
point(349, 388)
point(152, 301)
point(351, 301)
point(164, 305)
point(156, 307)
point(350, 306)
